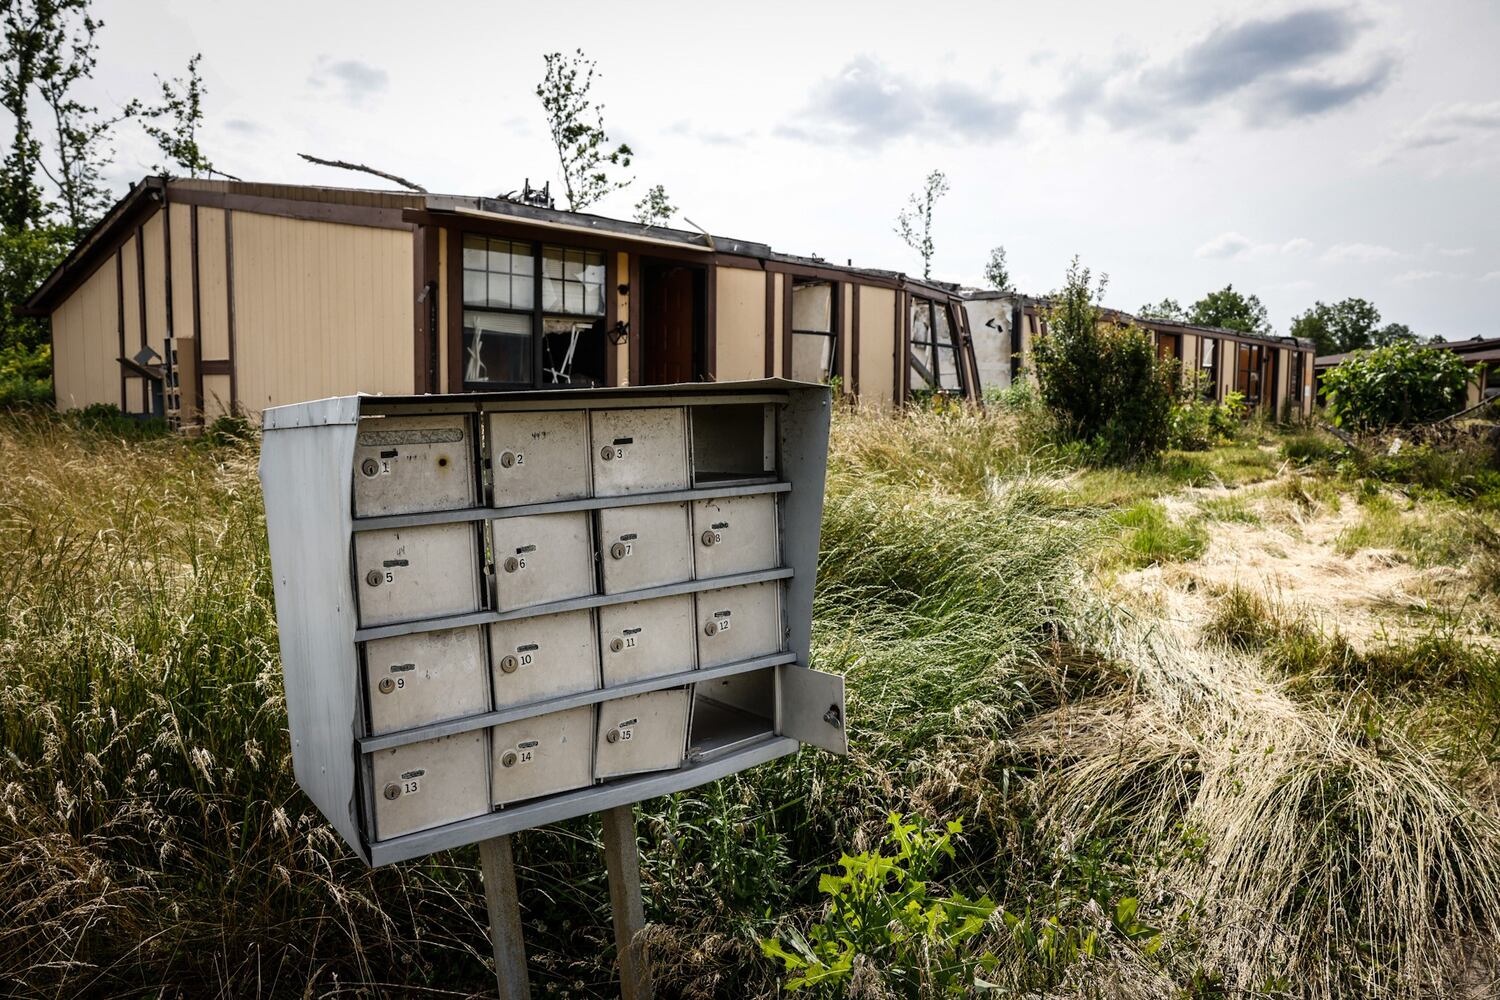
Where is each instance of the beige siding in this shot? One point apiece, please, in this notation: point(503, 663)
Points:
point(86, 342)
point(846, 323)
point(740, 315)
point(1189, 358)
point(877, 346)
point(215, 392)
point(778, 325)
point(154, 237)
point(134, 338)
point(213, 289)
point(1283, 377)
point(321, 309)
point(181, 222)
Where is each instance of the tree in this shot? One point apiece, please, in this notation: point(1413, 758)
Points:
point(1169, 310)
point(1393, 332)
point(1230, 310)
point(577, 127)
point(654, 209)
point(997, 272)
point(1396, 385)
point(1339, 328)
point(914, 222)
point(181, 109)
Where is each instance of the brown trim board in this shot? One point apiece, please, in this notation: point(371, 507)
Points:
point(788, 285)
point(770, 327)
point(234, 375)
point(120, 316)
point(306, 211)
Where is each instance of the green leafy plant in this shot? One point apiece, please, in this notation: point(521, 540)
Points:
point(1394, 386)
point(576, 124)
point(883, 910)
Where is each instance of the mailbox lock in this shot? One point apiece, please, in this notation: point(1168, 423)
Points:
point(615, 645)
point(508, 759)
point(507, 459)
point(834, 717)
point(710, 628)
point(508, 664)
point(618, 550)
point(393, 791)
point(387, 685)
point(607, 452)
point(709, 538)
point(373, 578)
point(370, 467)
point(613, 736)
point(512, 564)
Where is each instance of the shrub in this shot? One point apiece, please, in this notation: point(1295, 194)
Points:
point(1199, 424)
point(1395, 386)
point(1103, 383)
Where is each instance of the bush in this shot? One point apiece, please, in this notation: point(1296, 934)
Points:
point(1395, 386)
point(1199, 424)
point(1103, 383)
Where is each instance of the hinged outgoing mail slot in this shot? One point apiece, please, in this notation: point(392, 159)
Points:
point(542, 755)
point(646, 638)
point(646, 732)
point(422, 785)
point(644, 546)
point(403, 465)
point(638, 451)
point(538, 457)
point(543, 657)
point(424, 677)
point(407, 574)
point(739, 623)
point(541, 558)
point(735, 535)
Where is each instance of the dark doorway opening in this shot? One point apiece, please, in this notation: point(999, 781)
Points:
point(674, 300)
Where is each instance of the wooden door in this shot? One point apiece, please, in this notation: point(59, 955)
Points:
point(669, 315)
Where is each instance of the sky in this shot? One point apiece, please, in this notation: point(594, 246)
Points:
point(1301, 151)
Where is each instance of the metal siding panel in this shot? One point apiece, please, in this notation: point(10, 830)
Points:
point(740, 321)
point(877, 342)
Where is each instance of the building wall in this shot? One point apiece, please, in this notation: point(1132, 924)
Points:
point(153, 236)
point(846, 335)
point(85, 343)
point(877, 346)
point(1283, 378)
point(989, 325)
point(740, 317)
point(321, 309)
point(622, 311)
point(781, 287)
point(135, 336)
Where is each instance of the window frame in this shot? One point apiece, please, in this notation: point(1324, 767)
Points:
point(831, 334)
point(954, 344)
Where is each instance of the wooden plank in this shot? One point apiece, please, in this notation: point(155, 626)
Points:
point(504, 904)
point(623, 861)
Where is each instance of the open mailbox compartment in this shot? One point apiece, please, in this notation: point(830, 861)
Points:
point(467, 648)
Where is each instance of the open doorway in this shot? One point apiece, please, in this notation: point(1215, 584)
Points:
point(673, 310)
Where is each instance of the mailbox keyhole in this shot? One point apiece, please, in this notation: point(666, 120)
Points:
point(834, 717)
point(443, 462)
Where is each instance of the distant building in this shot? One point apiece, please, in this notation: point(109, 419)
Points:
point(1481, 354)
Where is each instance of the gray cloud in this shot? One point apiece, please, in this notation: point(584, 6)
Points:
point(1274, 70)
point(1447, 124)
point(351, 79)
point(244, 127)
point(711, 137)
point(867, 104)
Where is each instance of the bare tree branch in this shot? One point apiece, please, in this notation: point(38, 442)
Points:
point(343, 165)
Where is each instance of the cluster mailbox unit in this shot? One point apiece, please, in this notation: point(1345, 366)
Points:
point(502, 610)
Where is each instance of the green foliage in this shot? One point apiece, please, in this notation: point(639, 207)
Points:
point(1311, 448)
point(1167, 309)
point(576, 124)
point(27, 255)
point(1396, 385)
point(174, 123)
point(914, 222)
point(1344, 326)
point(1199, 424)
point(997, 271)
point(654, 209)
point(1104, 384)
point(1149, 537)
point(1231, 310)
point(883, 909)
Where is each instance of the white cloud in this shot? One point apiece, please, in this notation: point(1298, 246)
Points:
point(1445, 124)
point(1411, 277)
point(1237, 246)
point(1363, 252)
point(1296, 246)
point(1491, 276)
point(1456, 251)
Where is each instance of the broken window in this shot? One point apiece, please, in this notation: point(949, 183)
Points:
point(934, 348)
point(1208, 365)
point(814, 340)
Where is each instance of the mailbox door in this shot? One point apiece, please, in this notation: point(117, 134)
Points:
point(638, 451)
point(428, 784)
point(646, 638)
point(407, 574)
point(543, 657)
point(403, 465)
point(541, 558)
point(425, 677)
point(645, 732)
point(644, 546)
point(735, 535)
point(542, 755)
point(538, 457)
point(739, 623)
point(811, 707)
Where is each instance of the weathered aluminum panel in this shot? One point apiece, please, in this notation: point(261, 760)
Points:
point(543, 755)
point(739, 623)
point(735, 535)
point(642, 547)
point(646, 639)
point(413, 680)
point(541, 558)
point(638, 450)
point(407, 574)
point(423, 785)
point(646, 732)
point(538, 457)
point(810, 707)
point(407, 464)
point(543, 657)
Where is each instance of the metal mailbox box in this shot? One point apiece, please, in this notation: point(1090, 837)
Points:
point(538, 456)
point(645, 732)
point(542, 755)
point(644, 546)
point(646, 638)
point(543, 656)
point(465, 653)
point(412, 680)
point(407, 464)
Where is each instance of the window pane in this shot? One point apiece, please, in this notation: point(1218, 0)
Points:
point(812, 357)
point(572, 297)
point(593, 300)
point(948, 365)
point(474, 251)
point(521, 261)
point(573, 265)
point(551, 295)
point(522, 292)
point(940, 318)
point(474, 289)
point(921, 322)
point(812, 306)
point(552, 262)
point(497, 348)
point(500, 291)
point(573, 352)
point(593, 271)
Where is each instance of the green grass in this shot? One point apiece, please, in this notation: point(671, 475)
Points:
point(1149, 537)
